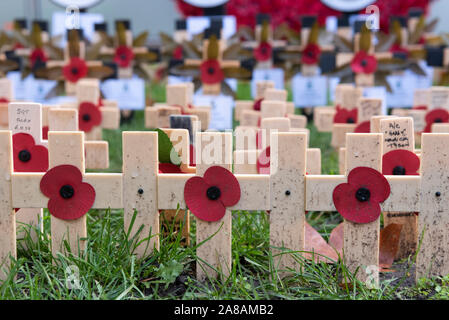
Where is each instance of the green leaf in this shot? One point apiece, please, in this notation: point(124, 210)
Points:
point(170, 270)
point(166, 149)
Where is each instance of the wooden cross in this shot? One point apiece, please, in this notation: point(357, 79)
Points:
point(65, 148)
point(213, 50)
point(274, 105)
point(179, 101)
point(7, 95)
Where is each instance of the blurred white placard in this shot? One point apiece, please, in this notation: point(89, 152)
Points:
point(129, 93)
point(309, 91)
point(276, 75)
point(221, 109)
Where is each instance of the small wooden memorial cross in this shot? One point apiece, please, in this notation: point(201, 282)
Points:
point(179, 101)
point(66, 148)
point(6, 96)
point(213, 60)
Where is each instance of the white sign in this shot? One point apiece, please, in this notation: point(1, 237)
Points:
point(333, 82)
point(221, 109)
point(276, 75)
point(129, 93)
point(403, 87)
point(38, 89)
point(18, 85)
point(309, 91)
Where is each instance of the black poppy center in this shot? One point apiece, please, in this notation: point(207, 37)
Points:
point(123, 56)
point(364, 63)
point(350, 120)
point(399, 171)
point(310, 54)
point(363, 194)
point(210, 70)
point(24, 156)
point(67, 191)
point(75, 70)
point(438, 120)
point(213, 193)
point(86, 117)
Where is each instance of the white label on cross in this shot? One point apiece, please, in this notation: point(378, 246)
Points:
point(37, 89)
point(276, 75)
point(402, 86)
point(129, 93)
point(309, 91)
point(26, 118)
point(221, 109)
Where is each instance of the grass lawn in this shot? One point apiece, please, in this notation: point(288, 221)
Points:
point(108, 270)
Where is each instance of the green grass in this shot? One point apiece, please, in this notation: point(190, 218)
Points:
point(108, 269)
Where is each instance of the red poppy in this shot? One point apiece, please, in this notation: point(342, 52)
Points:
point(436, 116)
point(123, 56)
point(100, 102)
point(257, 104)
point(4, 100)
point(263, 52)
point(358, 200)
point(89, 115)
point(396, 48)
point(169, 168)
point(311, 54)
point(75, 69)
point(45, 132)
point(70, 197)
point(192, 160)
point(28, 157)
point(400, 162)
point(38, 55)
point(208, 197)
point(343, 115)
point(363, 127)
point(422, 107)
point(18, 45)
point(364, 63)
point(211, 72)
point(178, 53)
point(263, 162)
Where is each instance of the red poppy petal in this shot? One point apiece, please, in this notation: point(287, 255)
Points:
point(192, 160)
point(75, 207)
point(373, 180)
point(211, 72)
point(59, 176)
point(45, 132)
point(364, 127)
point(263, 162)
point(89, 115)
point(263, 52)
point(169, 168)
point(345, 116)
point(195, 196)
point(257, 104)
point(351, 209)
point(38, 161)
point(224, 180)
point(22, 141)
point(404, 158)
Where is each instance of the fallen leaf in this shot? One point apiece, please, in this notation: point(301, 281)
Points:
point(389, 244)
point(315, 243)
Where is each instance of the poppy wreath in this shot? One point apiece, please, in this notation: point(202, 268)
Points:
point(211, 72)
point(263, 52)
point(76, 69)
point(359, 199)
point(69, 197)
point(37, 57)
point(89, 116)
point(343, 115)
point(28, 157)
point(364, 63)
point(363, 127)
point(400, 162)
point(208, 197)
point(123, 56)
point(311, 54)
point(436, 116)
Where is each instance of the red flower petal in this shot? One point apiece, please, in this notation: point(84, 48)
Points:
point(400, 158)
point(263, 52)
point(364, 63)
point(423, 107)
point(311, 54)
point(178, 53)
point(195, 196)
point(89, 115)
point(169, 168)
point(75, 69)
point(224, 180)
point(263, 162)
point(123, 56)
point(192, 160)
point(4, 100)
point(45, 132)
point(257, 104)
point(37, 155)
point(436, 116)
point(67, 208)
point(211, 72)
point(345, 116)
point(346, 202)
point(38, 55)
point(364, 127)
